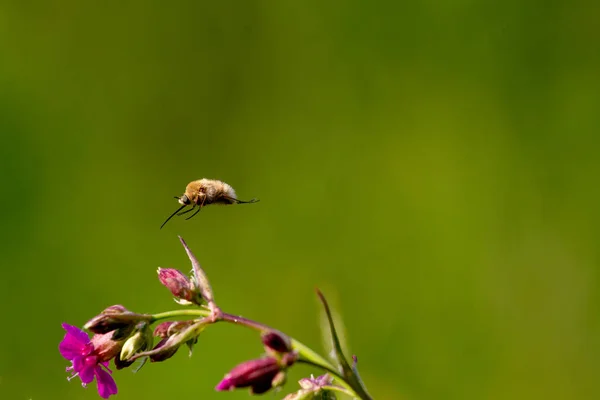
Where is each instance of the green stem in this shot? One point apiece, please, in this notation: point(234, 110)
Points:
point(309, 356)
point(179, 313)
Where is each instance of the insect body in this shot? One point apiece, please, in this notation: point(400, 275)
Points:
point(204, 192)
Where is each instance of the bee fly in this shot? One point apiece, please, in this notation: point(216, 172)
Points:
point(204, 192)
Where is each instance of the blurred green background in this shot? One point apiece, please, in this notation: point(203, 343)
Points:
point(433, 166)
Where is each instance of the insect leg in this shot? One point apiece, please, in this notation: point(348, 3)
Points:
point(187, 211)
point(238, 201)
point(197, 211)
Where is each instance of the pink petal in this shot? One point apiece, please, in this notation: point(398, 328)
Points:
point(77, 333)
point(86, 369)
point(70, 350)
point(106, 383)
point(74, 343)
point(225, 384)
point(105, 364)
point(77, 364)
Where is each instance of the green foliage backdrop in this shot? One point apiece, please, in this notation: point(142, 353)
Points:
point(432, 166)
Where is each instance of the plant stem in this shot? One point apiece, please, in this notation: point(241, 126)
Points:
point(179, 313)
point(248, 323)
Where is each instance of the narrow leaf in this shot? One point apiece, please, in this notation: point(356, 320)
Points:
point(347, 371)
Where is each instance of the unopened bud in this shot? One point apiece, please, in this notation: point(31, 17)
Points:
point(138, 342)
point(169, 328)
point(162, 329)
point(115, 319)
point(165, 354)
point(289, 359)
point(259, 375)
point(180, 286)
point(105, 347)
point(277, 342)
point(165, 330)
point(116, 309)
point(174, 334)
point(120, 363)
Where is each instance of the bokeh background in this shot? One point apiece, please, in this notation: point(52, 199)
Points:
point(433, 166)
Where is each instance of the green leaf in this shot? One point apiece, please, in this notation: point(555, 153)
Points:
point(347, 371)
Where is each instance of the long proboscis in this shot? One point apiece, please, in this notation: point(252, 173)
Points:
point(172, 215)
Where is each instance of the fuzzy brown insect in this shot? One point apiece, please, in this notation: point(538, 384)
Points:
point(203, 192)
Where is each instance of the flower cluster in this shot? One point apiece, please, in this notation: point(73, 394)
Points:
point(124, 336)
point(118, 334)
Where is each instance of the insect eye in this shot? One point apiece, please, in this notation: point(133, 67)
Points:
point(184, 200)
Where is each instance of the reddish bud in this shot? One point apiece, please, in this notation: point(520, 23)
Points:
point(116, 319)
point(256, 374)
point(120, 363)
point(169, 328)
point(180, 285)
point(116, 309)
point(277, 342)
point(162, 329)
point(259, 375)
point(168, 345)
point(105, 347)
point(163, 355)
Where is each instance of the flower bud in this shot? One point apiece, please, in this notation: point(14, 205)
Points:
point(138, 342)
point(174, 334)
point(120, 363)
point(162, 329)
point(180, 286)
point(277, 342)
point(107, 321)
point(165, 354)
point(105, 347)
point(260, 375)
point(116, 319)
point(165, 330)
point(169, 328)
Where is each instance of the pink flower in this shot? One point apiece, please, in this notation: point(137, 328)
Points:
point(89, 359)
